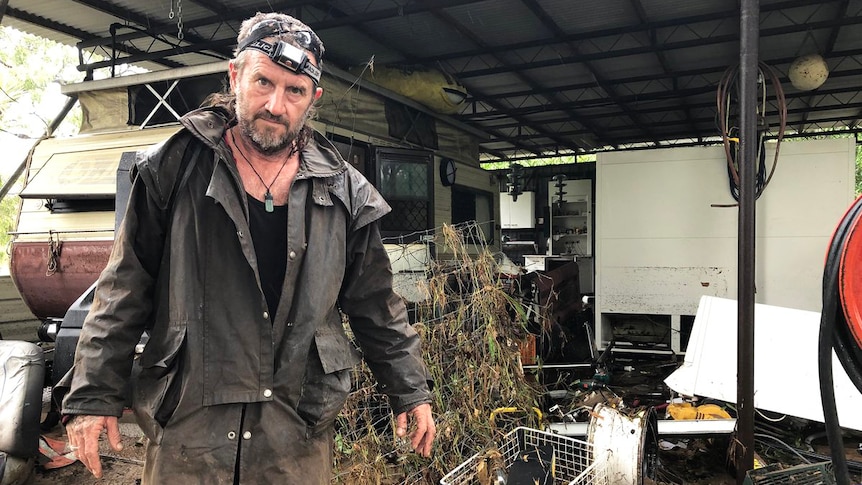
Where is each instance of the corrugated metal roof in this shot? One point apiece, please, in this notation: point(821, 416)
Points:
point(573, 75)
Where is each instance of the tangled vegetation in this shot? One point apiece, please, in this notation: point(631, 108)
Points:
point(471, 325)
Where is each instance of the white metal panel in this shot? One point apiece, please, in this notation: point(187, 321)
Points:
point(661, 244)
point(785, 362)
point(517, 214)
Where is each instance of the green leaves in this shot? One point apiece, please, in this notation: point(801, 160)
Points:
point(33, 69)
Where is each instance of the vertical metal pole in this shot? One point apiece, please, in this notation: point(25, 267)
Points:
point(748, 72)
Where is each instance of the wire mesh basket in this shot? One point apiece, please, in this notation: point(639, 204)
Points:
point(573, 464)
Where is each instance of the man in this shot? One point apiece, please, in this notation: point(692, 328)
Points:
point(245, 236)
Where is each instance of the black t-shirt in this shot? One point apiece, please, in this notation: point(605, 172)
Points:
point(269, 235)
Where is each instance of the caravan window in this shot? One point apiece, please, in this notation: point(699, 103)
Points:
point(76, 181)
point(404, 178)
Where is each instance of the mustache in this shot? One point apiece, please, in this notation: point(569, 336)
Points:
point(266, 115)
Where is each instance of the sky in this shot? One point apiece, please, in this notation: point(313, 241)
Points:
point(14, 150)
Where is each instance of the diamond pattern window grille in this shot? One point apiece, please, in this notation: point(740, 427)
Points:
point(404, 178)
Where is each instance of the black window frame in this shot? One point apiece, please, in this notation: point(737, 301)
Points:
point(391, 225)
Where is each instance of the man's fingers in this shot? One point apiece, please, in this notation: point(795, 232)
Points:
point(112, 424)
point(84, 432)
point(401, 425)
point(90, 449)
point(422, 437)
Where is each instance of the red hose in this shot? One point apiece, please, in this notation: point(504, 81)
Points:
point(850, 280)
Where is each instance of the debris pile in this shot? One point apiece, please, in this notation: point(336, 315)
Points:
point(471, 328)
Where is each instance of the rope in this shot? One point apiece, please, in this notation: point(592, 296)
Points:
point(54, 248)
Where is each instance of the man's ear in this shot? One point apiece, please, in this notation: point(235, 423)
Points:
point(232, 74)
point(318, 93)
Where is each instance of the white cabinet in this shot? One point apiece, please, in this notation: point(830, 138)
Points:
point(517, 214)
point(571, 222)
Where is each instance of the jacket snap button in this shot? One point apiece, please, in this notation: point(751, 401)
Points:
point(267, 393)
point(266, 315)
point(320, 198)
point(231, 435)
point(291, 255)
point(289, 324)
point(239, 233)
point(246, 435)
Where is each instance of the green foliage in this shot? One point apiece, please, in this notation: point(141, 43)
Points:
point(858, 170)
point(33, 69)
point(540, 162)
point(8, 209)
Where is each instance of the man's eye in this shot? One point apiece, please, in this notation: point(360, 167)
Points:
point(295, 90)
point(263, 82)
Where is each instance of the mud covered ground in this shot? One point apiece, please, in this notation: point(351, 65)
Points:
point(703, 462)
point(118, 468)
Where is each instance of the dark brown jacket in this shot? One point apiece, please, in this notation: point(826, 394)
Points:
point(221, 388)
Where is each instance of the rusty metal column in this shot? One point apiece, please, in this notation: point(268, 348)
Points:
point(748, 72)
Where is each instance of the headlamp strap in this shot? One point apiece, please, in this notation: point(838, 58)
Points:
point(287, 56)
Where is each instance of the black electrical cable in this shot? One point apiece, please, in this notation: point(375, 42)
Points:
point(831, 320)
point(723, 94)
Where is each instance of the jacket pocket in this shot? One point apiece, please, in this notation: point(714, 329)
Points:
point(327, 381)
point(156, 390)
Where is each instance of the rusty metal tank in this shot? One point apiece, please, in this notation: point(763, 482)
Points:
point(65, 228)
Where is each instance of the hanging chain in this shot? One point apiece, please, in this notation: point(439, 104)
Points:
point(171, 13)
point(180, 34)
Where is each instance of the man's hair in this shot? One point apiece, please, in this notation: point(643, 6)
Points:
point(227, 99)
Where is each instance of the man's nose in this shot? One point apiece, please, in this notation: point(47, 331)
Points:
point(275, 103)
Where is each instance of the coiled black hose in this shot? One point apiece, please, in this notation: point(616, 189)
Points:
point(835, 334)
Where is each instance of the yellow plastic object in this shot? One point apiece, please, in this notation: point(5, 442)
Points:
point(681, 411)
point(494, 413)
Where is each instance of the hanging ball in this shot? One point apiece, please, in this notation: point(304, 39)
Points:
point(808, 72)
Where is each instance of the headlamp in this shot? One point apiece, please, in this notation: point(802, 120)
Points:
point(289, 57)
point(283, 53)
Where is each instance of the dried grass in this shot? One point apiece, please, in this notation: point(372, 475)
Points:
point(470, 326)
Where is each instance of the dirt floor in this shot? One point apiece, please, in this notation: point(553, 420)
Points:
point(693, 461)
point(118, 468)
point(702, 462)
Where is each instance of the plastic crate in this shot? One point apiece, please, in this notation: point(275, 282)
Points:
point(574, 458)
point(813, 474)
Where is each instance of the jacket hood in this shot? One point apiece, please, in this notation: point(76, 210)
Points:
point(317, 159)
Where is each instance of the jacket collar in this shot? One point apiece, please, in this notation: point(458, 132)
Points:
point(319, 158)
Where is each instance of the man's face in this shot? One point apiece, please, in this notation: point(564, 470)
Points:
point(272, 103)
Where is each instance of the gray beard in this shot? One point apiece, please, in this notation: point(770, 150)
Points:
point(267, 142)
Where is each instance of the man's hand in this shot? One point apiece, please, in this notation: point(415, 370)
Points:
point(422, 436)
point(84, 432)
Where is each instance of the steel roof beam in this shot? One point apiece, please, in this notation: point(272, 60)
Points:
point(707, 41)
point(238, 15)
point(71, 31)
point(554, 98)
point(659, 96)
point(141, 20)
point(628, 29)
point(662, 60)
point(840, 12)
point(454, 23)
